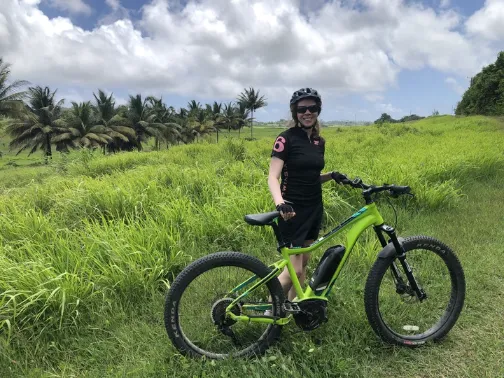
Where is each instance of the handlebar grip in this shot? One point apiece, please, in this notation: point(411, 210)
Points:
point(401, 189)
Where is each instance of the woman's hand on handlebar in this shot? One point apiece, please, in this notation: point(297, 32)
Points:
point(340, 178)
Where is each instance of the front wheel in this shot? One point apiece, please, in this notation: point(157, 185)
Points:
point(393, 309)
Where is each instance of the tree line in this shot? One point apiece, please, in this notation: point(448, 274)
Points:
point(485, 95)
point(39, 122)
point(386, 118)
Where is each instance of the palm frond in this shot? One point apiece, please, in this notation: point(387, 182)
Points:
point(62, 137)
point(96, 137)
point(127, 131)
point(115, 134)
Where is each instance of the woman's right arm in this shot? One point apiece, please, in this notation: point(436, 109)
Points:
point(276, 165)
point(275, 170)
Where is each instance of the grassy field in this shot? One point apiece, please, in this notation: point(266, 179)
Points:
point(90, 243)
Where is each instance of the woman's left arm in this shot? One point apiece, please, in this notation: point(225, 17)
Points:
point(324, 177)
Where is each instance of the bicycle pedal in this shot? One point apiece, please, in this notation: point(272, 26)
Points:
point(292, 308)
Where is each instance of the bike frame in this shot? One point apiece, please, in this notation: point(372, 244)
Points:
point(358, 223)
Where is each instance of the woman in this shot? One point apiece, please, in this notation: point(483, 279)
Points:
point(298, 159)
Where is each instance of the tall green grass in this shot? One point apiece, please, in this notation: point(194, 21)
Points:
point(91, 236)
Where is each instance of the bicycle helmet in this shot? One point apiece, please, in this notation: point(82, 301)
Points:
point(305, 93)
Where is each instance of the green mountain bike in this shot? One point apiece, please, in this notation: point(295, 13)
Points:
point(217, 306)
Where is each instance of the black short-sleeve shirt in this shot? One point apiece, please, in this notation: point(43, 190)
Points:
point(303, 161)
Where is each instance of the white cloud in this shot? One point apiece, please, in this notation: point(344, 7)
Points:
point(488, 22)
point(454, 84)
point(215, 48)
point(388, 108)
point(114, 4)
point(69, 96)
point(118, 13)
point(444, 3)
point(72, 6)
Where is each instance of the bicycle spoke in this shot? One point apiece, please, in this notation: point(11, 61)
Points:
point(403, 313)
point(195, 316)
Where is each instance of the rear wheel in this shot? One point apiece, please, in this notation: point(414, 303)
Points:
point(393, 309)
point(195, 316)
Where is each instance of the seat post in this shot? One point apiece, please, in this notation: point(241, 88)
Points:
point(276, 230)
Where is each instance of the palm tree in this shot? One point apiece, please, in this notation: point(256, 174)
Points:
point(193, 107)
point(36, 128)
point(114, 121)
point(10, 99)
point(199, 123)
point(182, 114)
point(182, 119)
point(79, 130)
point(142, 119)
point(122, 111)
point(241, 116)
point(167, 117)
point(228, 116)
point(214, 112)
point(105, 105)
point(252, 101)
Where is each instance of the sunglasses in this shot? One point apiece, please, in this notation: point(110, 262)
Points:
point(311, 108)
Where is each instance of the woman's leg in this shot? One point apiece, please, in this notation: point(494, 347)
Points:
point(285, 279)
point(299, 262)
point(300, 267)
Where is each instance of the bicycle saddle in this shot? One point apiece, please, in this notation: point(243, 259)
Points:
point(262, 219)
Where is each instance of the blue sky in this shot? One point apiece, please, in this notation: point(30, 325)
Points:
point(366, 57)
point(100, 9)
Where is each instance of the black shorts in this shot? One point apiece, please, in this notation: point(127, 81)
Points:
point(305, 225)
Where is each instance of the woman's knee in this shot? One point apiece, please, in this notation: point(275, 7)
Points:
point(305, 261)
point(299, 272)
point(297, 263)
point(306, 256)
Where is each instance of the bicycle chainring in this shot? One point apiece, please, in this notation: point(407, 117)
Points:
point(313, 313)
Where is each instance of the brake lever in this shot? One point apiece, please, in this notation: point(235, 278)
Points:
point(396, 195)
point(356, 182)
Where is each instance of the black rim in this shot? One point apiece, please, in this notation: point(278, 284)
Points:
point(197, 308)
point(408, 318)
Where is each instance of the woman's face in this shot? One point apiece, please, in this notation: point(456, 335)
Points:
point(308, 118)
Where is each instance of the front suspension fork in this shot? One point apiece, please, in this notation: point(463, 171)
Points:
point(401, 287)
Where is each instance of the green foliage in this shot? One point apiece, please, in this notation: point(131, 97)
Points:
point(236, 148)
point(485, 95)
point(89, 245)
point(79, 130)
point(412, 117)
point(251, 100)
point(105, 106)
point(10, 96)
point(386, 118)
point(37, 125)
point(102, 125)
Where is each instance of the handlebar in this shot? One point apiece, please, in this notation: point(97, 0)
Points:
point(394, 190)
